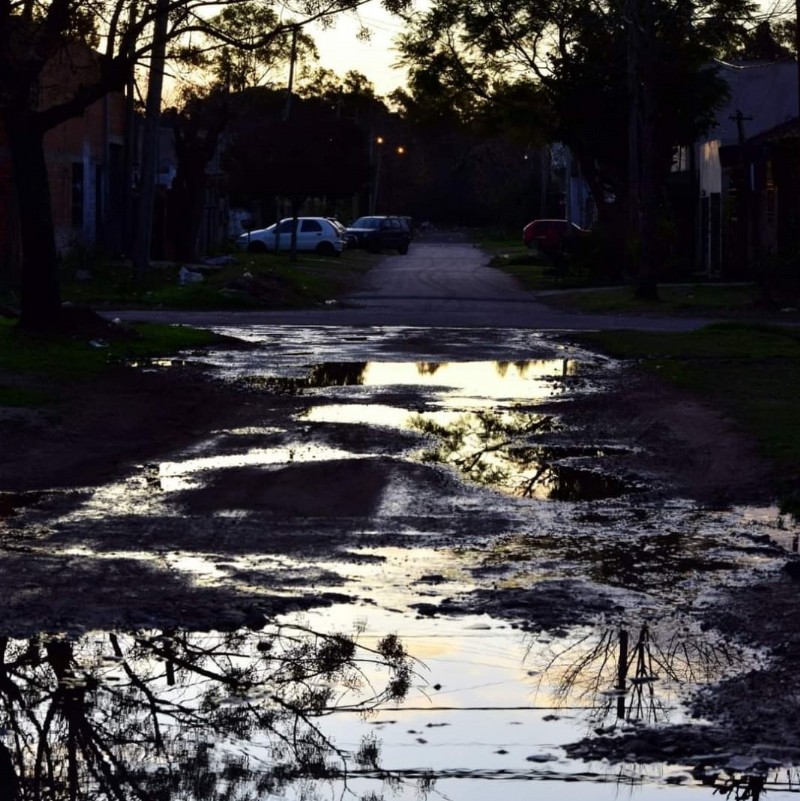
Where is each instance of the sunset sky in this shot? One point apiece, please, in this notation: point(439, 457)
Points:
point(341, 51)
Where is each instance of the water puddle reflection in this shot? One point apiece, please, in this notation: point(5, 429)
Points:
point(467, 700)
point(328, 702)
point(500, 705)
point(173, 715)
point(481, 382)
point(480, 418)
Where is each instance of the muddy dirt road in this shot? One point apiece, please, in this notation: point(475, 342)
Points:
point(586, 570)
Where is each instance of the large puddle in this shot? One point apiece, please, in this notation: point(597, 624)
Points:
point(441, 504)
point(330, 704)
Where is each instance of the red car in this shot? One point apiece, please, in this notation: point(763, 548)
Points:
point(552, 237)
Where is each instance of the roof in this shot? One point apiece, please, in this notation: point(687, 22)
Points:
point(764, 92)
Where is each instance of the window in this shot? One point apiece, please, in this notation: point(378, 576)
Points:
point(310, 226)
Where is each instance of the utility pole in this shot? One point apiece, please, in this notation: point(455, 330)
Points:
point(634, 107)
point(797, 48)
point(286, 113)
point(642, 190)
point(292, 58)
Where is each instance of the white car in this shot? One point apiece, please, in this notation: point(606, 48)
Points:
point(315, 234)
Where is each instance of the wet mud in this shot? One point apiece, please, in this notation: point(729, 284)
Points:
point(621, 534)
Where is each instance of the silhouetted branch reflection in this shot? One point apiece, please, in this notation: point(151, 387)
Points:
point(494, 449)
point(178, 715)
point(620, 671)
point(742, 788)
point(479, 444)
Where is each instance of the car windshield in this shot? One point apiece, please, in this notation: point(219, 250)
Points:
point(366, 222)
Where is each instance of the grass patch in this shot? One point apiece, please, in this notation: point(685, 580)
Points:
point(23, 354)
point(249, 281)
point(751, 371)
point(22, 397)
point(599, 288)
point(730, 300)
point(585, 267)
point(33, 365)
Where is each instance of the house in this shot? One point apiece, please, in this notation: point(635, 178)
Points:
point(85, 160)
point(742, 174)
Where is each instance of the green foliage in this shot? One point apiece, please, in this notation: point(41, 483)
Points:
point(312, 153)
point(768, 40)
point(63, 356)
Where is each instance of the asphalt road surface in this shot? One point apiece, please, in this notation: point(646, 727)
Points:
point(442, 282)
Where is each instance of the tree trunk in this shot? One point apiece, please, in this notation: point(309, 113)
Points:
point(196, 140)
point(147, 183)
point(185, 207)
point(40, 305)
point(643, 192)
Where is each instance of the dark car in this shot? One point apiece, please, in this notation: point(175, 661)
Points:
point(552, 237)
point(381, 232)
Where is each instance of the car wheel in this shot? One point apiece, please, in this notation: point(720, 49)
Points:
point(256, 246)
point(326, 249)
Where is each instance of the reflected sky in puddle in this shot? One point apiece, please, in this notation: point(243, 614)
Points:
point(178, 475)
point(481, 424)
point(476, 410)
point(501, 705)
point(284, 710)
point(491, 703)
point(474, 382)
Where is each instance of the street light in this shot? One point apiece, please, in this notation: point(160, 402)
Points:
point(399, 150)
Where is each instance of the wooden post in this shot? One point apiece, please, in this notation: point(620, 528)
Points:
point(622, 673)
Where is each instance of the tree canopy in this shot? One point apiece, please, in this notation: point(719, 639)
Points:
point(620, 82)
point(312, 152)
point(120, 34)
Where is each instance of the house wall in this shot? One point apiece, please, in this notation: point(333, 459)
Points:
point(737, 206)
point(84, 162)
point(83, 155)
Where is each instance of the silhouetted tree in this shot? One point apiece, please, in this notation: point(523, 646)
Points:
point(33, 35)
point(622, 83)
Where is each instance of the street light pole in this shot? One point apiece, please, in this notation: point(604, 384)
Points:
point(373, 200)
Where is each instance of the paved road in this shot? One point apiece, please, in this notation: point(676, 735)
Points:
point(445, 283)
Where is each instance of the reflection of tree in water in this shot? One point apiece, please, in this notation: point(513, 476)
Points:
point(742, 788)
point(486, 447)
point(429, 368)
point(336, 374)
point(502, 367)
point(330, 374)
point(493, 449)
point(479, 443)
point(200, 716)
point(619, 671)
